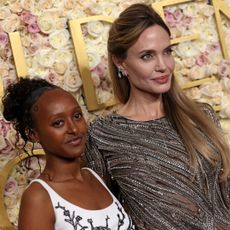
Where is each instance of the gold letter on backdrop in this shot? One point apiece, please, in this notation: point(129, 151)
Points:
point(83, 63)
point(81, 55)
point(220, 6)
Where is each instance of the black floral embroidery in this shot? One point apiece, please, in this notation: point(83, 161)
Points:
point(71, 219)
point(75, 220)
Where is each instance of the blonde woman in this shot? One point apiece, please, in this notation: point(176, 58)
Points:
point(165, 153)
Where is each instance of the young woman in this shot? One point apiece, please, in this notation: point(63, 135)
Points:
point(65, 196)
point(166, 154)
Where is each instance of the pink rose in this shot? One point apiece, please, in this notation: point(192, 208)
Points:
point(201, 60)
point(11, 187)
point(223, 69)
point(4, 127)
point(33, 28)
point(3, 38)
point(213, 47)
point(170, 19)
point(178, 15)
point(186, 21)
point(28, 18)
point(52, 77)
point(100, 70)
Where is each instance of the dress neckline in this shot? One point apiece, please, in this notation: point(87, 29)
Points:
point(114, 114)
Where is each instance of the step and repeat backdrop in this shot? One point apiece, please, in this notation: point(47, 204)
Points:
point(64, 42)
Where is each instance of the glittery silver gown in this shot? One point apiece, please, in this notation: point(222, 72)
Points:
point(149, 163)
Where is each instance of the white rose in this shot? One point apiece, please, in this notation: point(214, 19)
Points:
point(15, 7)
point(96, 9)
point(110, 9)
point(46, 23)
point(11, 137)
point(225, 125)
point(72, 81)
point(59, 38)
point(207, 10)
point(75, 13)
point(225, 113)
point(4, 12)
point(197, 72)
point(189, 62)
point(36, 69)
point(208, 33)
point(193, 93)
point(11, 23)
point(93, 58)
point(190, 9)
point(96, 79)
point(60, 67)
point(103, 96)
point(211, 70)
point(46, 57)
point(225, 82)
point(211, 88)
point(63, 55)
point(95, 28)
point(186, 49)
point(214, 58)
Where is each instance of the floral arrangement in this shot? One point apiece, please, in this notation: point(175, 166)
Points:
point(46, 40)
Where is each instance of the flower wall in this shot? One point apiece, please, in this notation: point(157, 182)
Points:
point(49, 54)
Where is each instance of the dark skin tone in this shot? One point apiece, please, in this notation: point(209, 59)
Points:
point(61, 130)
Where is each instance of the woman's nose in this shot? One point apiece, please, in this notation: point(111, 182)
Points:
point(160, 65)
point(72, 128)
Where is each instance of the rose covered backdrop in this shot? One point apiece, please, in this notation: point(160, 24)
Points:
point(48, 49)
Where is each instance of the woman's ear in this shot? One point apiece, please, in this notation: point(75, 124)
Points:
point(119, 63)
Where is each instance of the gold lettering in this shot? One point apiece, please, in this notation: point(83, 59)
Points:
point(83, 63)
point(18, 54)
point(221, 7)
point(82, 58)
point(4, 173)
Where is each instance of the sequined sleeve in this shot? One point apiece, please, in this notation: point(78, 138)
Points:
point(94, 158)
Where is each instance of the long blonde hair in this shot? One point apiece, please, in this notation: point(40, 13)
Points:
point(187, 117)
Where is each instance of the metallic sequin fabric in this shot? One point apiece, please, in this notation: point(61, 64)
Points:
point(151, 166)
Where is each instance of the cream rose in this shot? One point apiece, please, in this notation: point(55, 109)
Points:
point(72, 81)
point(95, 28)
point(4, 12)
point(11, 23)
point(46, 57)
point(187, 49)
point(197, 72)
point(59, 39)
point(46, 23)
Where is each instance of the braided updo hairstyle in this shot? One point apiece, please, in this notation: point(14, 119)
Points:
point(18, 101)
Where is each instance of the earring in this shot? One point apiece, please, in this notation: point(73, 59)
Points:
point(121, 72)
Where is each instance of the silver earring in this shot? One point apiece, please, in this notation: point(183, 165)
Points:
point(121, 72)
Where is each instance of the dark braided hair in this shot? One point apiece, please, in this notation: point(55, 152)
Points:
point(18, 101)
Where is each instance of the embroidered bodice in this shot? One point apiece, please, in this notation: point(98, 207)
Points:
point(71, 217)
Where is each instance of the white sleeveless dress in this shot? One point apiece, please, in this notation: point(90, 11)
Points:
point(71, 217)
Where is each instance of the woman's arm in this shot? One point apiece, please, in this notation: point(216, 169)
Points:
point(36, 211)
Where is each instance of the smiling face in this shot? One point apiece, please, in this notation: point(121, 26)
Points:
point(59, 125)
point(149, 63)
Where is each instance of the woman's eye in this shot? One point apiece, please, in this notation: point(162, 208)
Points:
point(78, 116)
point(146, 56)
point(57, 123)
point(168, 51)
